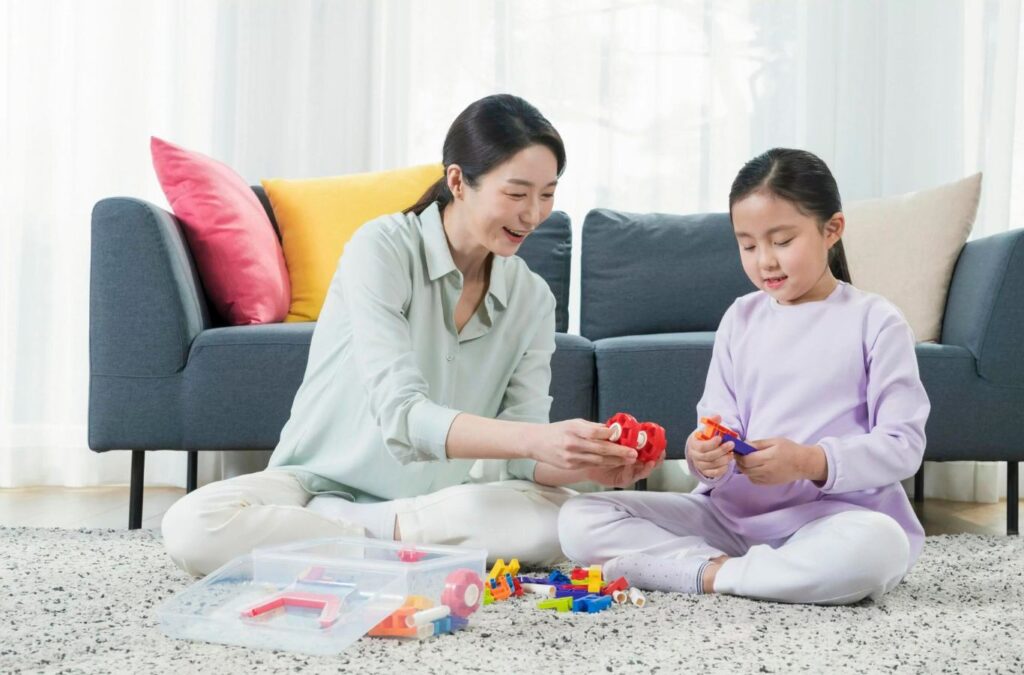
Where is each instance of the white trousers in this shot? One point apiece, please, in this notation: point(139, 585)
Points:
point(511, 519)
point(838, 559)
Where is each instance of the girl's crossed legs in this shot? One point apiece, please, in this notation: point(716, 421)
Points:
point(837, 559)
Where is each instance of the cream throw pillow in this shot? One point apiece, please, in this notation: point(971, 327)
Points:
point(904, 248)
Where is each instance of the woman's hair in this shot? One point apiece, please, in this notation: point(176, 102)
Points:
point(487, 133)
point(801, 178)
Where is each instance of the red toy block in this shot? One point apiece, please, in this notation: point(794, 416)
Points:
point(579, 573)
point(329, 605)
point(619, 584)
point(655, 443)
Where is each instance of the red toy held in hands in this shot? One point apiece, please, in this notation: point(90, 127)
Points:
point(647, 438)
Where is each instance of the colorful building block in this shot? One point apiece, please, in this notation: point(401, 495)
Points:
point(555, 578)
point(560, 604)
point(636, 596)
point(594, 581)
point(619, 584)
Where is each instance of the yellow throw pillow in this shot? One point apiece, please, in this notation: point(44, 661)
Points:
point(318, 216)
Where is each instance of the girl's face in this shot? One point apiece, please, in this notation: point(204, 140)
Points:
point(509, 201)
point(783, 251)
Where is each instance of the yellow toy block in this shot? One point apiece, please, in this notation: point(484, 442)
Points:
point(594, 581)
point(498, 569)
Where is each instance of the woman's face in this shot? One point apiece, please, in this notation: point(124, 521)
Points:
point(785, 252)
point(510, 201)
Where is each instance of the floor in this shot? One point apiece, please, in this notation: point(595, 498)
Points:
point(107, 507)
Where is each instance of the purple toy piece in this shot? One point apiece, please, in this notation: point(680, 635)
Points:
point(739, 447)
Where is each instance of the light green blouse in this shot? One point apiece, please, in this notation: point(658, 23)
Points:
point(388, 372)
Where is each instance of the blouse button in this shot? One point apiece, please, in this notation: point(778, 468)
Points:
point(450, 358)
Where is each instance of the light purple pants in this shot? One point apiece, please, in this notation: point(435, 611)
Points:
point(836, 560)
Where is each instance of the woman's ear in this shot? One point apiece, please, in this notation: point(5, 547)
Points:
point(834, 228)
point(455, 183)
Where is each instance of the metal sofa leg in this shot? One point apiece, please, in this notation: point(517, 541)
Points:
point(193, 471)
point(641, 485)
point(135, 491)
point(1012, 499)
point(919, 485)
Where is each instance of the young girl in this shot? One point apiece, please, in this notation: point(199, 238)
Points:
point(820, 378)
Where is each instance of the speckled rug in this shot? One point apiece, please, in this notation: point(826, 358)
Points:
point(84, 602)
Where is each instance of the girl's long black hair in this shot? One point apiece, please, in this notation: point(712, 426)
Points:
point(799, 177)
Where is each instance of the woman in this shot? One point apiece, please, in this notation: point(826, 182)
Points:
point(432, 351)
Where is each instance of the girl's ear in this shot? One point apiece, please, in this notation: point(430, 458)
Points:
point(455, 182)
point(834, 228)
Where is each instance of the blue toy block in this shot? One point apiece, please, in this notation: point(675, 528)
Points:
point(556, 578)
point(582, 592)
point(457, 623)
point(535, 580)
point(592, 603)
point(443, 625)
point(581, 604)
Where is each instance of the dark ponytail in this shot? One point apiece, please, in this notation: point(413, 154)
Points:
point(486, 134)
point(799, 177)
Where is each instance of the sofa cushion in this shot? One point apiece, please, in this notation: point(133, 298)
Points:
point(905, 248)
point(240, 382)
point(548, 252)
point(237, 254)
point(657, 273)
point(317, 216)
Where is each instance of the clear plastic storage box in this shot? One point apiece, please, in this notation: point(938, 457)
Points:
point(319, 596)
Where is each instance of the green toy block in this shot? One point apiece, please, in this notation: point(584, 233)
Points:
point(561, 604)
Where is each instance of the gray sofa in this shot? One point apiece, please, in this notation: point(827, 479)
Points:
point(165, 375)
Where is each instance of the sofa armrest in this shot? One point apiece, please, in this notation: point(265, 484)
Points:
point(146, 303)
point(985, 306)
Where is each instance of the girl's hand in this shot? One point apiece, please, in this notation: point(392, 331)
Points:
point(780, 460)
point(577, 444)
point(622, 476)
point(711, 457)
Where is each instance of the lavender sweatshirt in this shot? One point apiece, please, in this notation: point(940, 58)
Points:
point(839, 373)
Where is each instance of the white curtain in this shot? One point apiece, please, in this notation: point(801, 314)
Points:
point(659, 104)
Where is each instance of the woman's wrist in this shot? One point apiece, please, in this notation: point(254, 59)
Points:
point(526, 440)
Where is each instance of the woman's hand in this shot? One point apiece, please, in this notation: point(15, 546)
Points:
point(780, 460)
point(711, 457)
point(621, 476)
point(577, 444)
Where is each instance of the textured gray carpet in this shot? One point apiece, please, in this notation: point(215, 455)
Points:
point(84, 601)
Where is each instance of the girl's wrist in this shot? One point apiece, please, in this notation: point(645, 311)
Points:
point(815, 463)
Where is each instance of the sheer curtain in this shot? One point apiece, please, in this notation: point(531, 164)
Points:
point(659, 104)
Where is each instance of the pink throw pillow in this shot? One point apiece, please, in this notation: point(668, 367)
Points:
point(231, 238)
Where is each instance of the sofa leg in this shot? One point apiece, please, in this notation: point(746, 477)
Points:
point(1012, 499)
point(919, 485)
point(193, 471)
point(641, 485)
point(135, 490)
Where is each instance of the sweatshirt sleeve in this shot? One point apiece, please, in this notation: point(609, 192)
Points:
point(719, 394)
point(897, 408)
